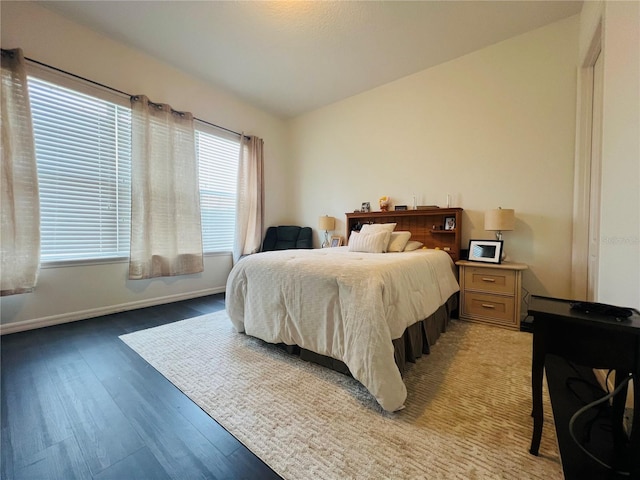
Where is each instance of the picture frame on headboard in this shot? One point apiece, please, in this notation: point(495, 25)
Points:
point(449, 223)
point(487, 251)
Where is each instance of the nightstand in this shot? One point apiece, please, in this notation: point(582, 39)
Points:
point(491, 293)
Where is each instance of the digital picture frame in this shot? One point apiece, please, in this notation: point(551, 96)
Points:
point(487, 251)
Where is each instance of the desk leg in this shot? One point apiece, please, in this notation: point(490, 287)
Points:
point(617, 413)
point(634, 442)
point(626, 448)
point(537, 371)
point(617, 423)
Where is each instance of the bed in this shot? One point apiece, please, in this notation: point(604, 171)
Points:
point(366, 313)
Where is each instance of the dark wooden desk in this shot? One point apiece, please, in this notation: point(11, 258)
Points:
point(593, 341)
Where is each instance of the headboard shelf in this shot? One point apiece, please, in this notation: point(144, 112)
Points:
point(426, 226)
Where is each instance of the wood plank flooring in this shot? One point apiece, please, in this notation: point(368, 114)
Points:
point(77, 403)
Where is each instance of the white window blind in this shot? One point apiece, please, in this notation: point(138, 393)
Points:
point(218, 155)
point(83, 152)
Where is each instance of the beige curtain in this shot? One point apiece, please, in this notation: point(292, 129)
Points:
point(250, 194)
point(20, 207)
point(166, 237)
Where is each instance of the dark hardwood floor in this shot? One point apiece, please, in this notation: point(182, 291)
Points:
point(78, 403)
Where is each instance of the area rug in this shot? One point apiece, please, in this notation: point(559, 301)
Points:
point(467, 413)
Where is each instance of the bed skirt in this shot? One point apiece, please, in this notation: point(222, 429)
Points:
point(416, 340)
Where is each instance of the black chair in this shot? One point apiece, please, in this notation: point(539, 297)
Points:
point(286, 237)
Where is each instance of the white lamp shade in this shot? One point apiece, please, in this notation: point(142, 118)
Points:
point(326, 223)
point(500, 219)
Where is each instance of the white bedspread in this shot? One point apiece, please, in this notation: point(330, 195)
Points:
point(341, 304)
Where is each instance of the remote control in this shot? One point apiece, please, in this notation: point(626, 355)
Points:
point(601, 309)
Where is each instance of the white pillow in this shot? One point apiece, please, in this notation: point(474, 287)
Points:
point(369, 242)
point(376, 227)
point(398, 241)
point(412, 245)
point(368, 228)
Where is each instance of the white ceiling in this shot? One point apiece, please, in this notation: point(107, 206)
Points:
point(291, 57)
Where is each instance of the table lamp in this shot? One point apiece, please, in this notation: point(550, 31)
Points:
point(327, 224)
point(499, 220)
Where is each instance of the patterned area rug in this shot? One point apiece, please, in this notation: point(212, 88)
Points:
point(467, 414)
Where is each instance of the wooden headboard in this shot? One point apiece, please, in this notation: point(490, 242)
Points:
point(426, 226)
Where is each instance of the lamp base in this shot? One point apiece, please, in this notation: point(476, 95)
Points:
point(503, 255)
point(326, 243)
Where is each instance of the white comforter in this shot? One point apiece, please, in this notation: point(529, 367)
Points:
point(341, 304)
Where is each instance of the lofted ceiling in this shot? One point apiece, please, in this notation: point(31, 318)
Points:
point(291, 57)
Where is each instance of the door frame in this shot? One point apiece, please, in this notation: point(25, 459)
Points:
point(582, 181)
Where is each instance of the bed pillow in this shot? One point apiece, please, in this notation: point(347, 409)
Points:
point(376, 227)
point(412, 245)
point(368, 228)
point(398, 241)
point(369, 242)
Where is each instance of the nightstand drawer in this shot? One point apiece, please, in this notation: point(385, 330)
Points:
point(490, 306)
point(490, 280)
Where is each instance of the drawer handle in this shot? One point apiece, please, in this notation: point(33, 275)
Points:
point(487, 305)
point(489, 280)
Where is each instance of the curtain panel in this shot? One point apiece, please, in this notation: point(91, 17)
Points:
point(166, 234)
point(20, 204)
point(250, 197)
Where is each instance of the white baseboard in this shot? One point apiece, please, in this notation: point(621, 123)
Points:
point(98, 312)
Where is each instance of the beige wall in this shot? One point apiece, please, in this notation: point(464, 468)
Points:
point(619, 270)
point(493, 128)
point(619, 263)
point(69, 293)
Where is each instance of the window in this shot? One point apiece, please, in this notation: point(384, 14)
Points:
point(83, 151)
point(218, 166)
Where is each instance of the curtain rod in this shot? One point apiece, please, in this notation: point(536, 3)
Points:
point(120, 92)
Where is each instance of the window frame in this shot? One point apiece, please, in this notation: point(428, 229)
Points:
point(202, 127)
point(83, 87)
point(87, 87)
